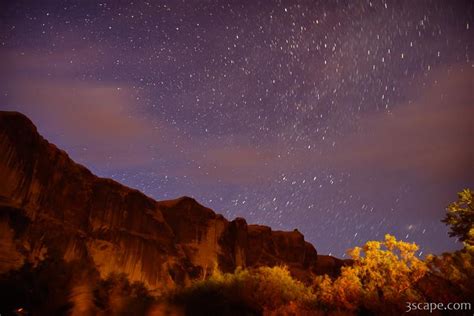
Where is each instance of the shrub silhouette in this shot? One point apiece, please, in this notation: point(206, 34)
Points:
point(117, 296)
point(456, 271)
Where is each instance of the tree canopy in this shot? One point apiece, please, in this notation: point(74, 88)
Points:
point(460, 217)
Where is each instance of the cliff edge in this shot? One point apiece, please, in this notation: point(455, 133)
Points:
point(51, 206)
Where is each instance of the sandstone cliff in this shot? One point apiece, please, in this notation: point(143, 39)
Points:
point(50, 205)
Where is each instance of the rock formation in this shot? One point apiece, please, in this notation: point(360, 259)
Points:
point(52, 206)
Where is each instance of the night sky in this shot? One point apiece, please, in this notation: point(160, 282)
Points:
point(344, 119)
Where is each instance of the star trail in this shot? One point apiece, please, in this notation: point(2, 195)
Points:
point(343, 119)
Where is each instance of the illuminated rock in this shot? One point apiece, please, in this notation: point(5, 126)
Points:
point(51, 205)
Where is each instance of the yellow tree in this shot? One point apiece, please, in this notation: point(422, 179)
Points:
point(382, 276)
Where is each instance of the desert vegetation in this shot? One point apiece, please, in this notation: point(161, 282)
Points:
point(381, 278)
point(384, 276)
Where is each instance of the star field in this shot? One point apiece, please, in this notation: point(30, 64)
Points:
point(346, 120)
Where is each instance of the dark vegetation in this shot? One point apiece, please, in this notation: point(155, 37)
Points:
point(383, 277)
point(56, 287)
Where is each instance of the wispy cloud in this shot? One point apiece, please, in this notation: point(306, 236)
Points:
point(431, 137)
point(84, 114)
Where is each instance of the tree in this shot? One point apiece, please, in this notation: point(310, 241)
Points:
point(460, 217)
point(381, 278)
point(457, 268)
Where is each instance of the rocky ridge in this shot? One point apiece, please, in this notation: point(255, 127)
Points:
point(52, 206)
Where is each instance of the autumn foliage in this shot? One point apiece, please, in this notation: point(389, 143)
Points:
point(382, 276)
point(460, 217)
point(379, 279)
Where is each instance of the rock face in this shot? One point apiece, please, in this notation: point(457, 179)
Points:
point(50, 205)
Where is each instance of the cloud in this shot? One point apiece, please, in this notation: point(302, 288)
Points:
point(96, 120)
point(238, 164)
point(84, 112)
point(431, 137)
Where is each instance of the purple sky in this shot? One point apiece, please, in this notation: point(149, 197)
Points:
point(346, 120)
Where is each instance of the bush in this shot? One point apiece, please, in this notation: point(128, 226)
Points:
point(245, 292)
point(116, 296)
point(382, 278)
point(457, 268)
